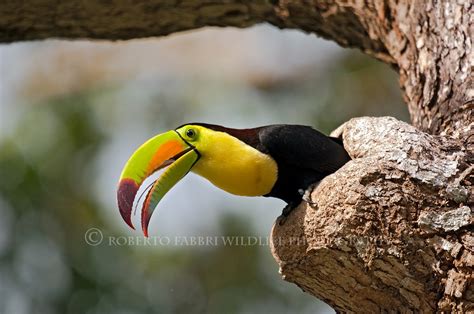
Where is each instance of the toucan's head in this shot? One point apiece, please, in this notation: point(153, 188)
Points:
point(213, 153)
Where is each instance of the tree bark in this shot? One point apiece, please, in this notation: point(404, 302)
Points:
point(393, 228)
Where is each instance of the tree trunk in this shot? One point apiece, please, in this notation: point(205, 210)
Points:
point(393, 229)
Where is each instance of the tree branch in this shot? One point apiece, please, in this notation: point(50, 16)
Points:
point(429, 42)
point(347, 23)
point(392, 229)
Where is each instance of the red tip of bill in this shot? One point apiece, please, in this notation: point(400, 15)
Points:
point(125, 196)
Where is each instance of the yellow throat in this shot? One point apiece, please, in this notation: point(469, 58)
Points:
point(232, 165)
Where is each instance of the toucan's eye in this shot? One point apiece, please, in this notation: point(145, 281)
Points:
point(191, 133)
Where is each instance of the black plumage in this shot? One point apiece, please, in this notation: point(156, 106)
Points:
point(303, 155)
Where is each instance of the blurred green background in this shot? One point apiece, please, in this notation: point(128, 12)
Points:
point(71, 113)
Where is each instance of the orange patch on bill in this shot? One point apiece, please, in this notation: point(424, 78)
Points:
point(166, 151)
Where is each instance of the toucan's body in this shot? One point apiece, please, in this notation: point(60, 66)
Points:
point(277, 161)
point(302, 154)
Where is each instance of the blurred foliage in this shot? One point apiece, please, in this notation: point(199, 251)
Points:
point(352, 85)
point(47, 267)
point(49, 172)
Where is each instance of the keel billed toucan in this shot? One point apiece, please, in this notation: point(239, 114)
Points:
point(280, 161)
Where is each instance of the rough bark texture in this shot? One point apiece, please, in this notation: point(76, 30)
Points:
point(428, 42)
point(394, 227)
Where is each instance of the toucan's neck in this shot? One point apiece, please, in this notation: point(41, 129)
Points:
point(233, 165)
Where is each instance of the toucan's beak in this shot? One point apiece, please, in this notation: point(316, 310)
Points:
point(164, 150)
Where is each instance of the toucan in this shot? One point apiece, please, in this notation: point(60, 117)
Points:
point(278, 160)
